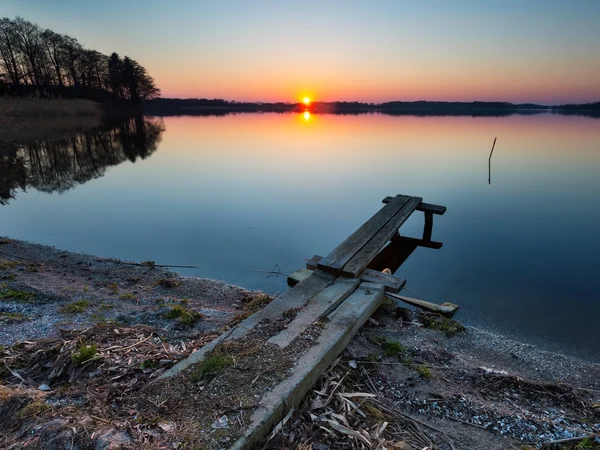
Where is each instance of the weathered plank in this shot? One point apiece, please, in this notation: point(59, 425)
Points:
point(318, 307)
point(425, 207)
point(339, 257)
point(446, 308)
point(392, 284)
point(312, 262)
point(299, 275)
point(362, 259)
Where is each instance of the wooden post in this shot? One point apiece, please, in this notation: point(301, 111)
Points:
point(428, 228)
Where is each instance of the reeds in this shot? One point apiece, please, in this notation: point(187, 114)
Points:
point(24, 107)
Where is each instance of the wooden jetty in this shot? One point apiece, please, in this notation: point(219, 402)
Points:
point(312, 323)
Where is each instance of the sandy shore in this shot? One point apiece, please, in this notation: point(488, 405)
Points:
point(476, 390)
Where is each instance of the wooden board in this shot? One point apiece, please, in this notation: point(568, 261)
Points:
point(392, 284)
point(360, 260)
point(339, 257)
point(312, 262)
point(425, 207)
point(446, 309)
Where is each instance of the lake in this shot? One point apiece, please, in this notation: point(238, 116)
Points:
point(238, 193)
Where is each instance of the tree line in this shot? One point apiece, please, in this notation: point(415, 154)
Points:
point(32, 57)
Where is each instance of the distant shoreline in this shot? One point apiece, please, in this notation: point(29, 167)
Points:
point(166, 106)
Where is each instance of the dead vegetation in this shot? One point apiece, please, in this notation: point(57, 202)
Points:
point(81, 379)
point(346, 411)
point(250, 305)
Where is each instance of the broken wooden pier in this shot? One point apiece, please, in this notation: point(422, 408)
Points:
point(311, 324)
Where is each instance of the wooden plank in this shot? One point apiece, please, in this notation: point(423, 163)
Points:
point(356, 265)
point(339, 257)
point(425, 207)
point(392, 284)
point(446, 309)
point(312, 262)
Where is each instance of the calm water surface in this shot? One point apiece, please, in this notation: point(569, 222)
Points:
point(241, 192)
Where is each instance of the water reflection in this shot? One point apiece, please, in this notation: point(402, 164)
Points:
point(57, 165)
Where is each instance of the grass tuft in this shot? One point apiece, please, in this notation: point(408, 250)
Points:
point(168, 282)
point(424, 372)
point(84, 354)
point(8, 317)
point(20, 296)
point(210, 367)
point(33, 410)
point(438, 322)
point(185, 315)
point(76, 307)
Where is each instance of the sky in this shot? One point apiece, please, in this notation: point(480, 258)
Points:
point(542, 51)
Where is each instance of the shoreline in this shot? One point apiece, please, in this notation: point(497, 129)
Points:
point(48, 293)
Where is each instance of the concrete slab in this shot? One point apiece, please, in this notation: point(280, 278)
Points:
point(317, 307)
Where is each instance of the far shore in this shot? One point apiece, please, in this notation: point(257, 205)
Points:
point(478, 388)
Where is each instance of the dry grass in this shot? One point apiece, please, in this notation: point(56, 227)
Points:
point(27, 119)
point(40, 107)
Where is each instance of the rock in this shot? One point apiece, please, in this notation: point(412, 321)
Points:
point(112, 439)
point(44, 387)
point(221, 423)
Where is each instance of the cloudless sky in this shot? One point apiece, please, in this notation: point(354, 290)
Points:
point(544, 51)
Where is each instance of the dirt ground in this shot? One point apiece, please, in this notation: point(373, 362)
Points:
point(54, 290)
point(83, 339)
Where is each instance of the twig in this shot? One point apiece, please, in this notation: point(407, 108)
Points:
point(15, 374)
point(159, 265)
point(564, 441)
point(15, 256)
point(275, 271)
point(465, 422)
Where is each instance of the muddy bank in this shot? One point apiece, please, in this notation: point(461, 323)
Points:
point(98, 333)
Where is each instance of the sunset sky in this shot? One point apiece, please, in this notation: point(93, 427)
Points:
point(543, 51)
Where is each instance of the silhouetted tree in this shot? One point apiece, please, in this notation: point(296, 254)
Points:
point(40, 58)
point(115, 75)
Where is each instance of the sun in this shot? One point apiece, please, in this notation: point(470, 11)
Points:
point(306, 101)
